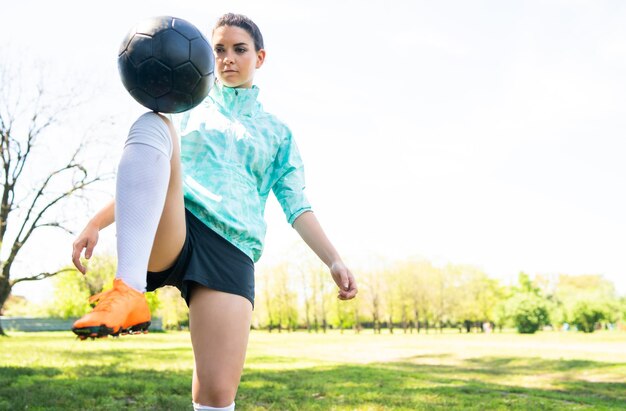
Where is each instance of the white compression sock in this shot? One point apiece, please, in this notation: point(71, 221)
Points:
point(198, 407)
point(142, 181)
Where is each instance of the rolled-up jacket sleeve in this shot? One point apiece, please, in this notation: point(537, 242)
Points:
point(288, 173)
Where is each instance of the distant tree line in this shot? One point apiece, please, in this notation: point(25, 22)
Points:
point(407, 297)
point(417, 296)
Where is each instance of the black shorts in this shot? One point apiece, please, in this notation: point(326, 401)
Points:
point(209, 260)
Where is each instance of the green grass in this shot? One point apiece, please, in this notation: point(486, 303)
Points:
point(301, 371)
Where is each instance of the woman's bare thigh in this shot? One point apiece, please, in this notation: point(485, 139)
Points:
point(171, 232)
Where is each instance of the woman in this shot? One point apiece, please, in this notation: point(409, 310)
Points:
point(194, 215)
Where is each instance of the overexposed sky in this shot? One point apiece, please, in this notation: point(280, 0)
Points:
point(479, 132)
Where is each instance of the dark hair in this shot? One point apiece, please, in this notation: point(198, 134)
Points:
point(241, 21)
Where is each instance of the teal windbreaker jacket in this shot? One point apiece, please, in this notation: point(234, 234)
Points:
point(233, 154)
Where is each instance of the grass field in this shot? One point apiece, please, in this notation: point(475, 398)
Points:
point(301, 371)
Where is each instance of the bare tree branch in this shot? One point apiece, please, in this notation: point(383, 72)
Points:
point(38, 195)
point(57, 225)
point(33, 132)
point(20, 240)
point(41, 276)
point(71, 164)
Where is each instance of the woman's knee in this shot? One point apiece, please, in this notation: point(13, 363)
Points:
point(153, 130)
point(213, 394)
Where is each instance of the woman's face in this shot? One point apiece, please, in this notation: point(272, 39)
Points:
point(235, 57)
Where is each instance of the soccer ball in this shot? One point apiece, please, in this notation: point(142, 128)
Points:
point(166, 64)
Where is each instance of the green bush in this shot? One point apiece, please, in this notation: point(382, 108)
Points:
point(73, 289)
point(171, 308)
point(528, 311)
point(586, 314)
point(71, 296)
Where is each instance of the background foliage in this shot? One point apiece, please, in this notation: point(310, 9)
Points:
point(406, 296)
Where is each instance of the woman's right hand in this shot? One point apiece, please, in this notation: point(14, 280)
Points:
point(86, 240)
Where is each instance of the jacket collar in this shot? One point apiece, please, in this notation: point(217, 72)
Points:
point(237, 101)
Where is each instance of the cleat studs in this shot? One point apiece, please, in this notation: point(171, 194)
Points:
point(102, 331)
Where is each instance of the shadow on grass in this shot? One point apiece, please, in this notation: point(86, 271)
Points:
point(408, 386)
point(93, 388)
point(395, 385)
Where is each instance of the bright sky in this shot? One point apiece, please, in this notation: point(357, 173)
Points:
point(480, 132)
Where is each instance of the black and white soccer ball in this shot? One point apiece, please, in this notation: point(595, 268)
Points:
point(166, 64)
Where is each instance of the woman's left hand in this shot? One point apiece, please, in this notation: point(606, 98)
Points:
point(345, 280)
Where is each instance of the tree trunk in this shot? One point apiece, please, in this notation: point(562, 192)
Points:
point(404, 322)
point(357, 324)
point(5, 291)
point(306, 311)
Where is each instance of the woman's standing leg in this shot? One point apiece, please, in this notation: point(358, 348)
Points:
point(220, 325)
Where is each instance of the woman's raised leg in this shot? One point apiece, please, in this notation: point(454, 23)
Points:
point(147, 201)
point(170, 234)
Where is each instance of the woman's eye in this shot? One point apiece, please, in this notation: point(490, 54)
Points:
point(240, 50)
point(219, 50)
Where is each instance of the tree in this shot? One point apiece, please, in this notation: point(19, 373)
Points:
point(478, 296)
point(71, 296)
point(372, 285)
point(325, 294)
point(526, 285)
point(529, 312)
point(305, 270)
point(587, 314)
point(391, 295)
point(406, 303)
point(19, 306)
point(27, 116)
point(593, 292)
point(501, 314)
point(444, 294)
point(341, 315)
point(171, 307)
point(287, 297)
point(419, 277)
point(278, 301)
point(267, 306)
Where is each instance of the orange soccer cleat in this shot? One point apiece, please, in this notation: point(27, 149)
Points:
point(121, 309)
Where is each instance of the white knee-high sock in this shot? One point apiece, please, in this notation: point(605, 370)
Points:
point(141, 187)
point(199, 407)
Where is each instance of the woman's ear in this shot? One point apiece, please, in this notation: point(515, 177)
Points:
point(260, 58)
